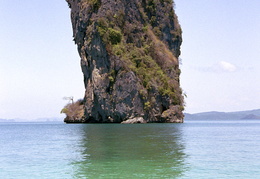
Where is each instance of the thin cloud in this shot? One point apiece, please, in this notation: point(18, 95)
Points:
point(223, 66)
point(220, 67)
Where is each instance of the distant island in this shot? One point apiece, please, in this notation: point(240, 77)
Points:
point(7, 120)
point(214, 115)
point(46, 119)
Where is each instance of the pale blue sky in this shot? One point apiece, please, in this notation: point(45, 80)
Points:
point(220, 52)
point(39, 63)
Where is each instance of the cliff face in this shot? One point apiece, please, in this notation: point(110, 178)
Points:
point(129, 57)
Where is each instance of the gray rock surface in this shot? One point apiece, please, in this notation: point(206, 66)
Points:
point(129, 57)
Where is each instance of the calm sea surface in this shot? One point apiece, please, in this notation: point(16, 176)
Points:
point(195, 149)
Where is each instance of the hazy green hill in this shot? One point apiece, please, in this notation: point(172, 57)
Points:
point(214, 115)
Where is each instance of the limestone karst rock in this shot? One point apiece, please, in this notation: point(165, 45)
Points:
point(129, 53)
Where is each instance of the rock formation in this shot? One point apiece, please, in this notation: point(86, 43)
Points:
point(129, 53)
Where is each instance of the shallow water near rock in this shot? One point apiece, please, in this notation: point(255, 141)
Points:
point(194, 149)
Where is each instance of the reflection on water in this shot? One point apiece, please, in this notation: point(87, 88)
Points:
point(195, 149)
point(127, 151)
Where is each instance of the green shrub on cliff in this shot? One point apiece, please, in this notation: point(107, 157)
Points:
point(95, 4)
point(109, 35)
point(115, 36)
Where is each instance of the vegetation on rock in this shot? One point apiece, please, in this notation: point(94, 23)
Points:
point(129, 57)
point(74, 111)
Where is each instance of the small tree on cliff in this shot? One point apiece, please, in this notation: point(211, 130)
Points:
point(74, 111)
point(70, 98)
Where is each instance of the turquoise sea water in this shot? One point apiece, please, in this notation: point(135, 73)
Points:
point(195, 149)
